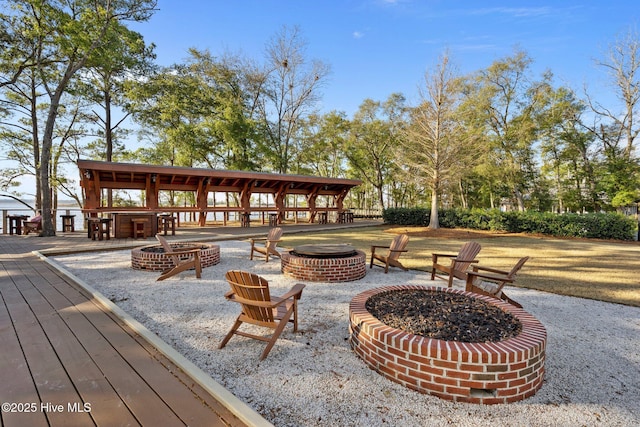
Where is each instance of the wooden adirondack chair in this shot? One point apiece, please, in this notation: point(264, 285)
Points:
point(460, 262)
point(183, 259)
point(32, 225)
point(260, 308)
point(396, 249)
point(267, 245)
point(490, 281)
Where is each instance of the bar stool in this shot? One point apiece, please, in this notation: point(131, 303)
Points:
point(273, 220)
point(99, 228)
point(68, 222)
point(166, 221)
point(139, 227)
point(322, 218)
point(245, 220)
point(93, 228)
point(15, 223)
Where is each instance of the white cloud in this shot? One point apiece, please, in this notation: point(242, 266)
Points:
point(358, 35)
point(518, 12)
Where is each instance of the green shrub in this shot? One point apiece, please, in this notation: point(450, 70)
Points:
point(594, 225)
point(407, 216)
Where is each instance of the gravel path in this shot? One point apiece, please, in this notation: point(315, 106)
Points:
point(312, 378)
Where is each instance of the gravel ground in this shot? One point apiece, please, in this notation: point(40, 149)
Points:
point(312, 378)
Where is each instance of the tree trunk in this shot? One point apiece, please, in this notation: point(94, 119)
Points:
point(434, 223)
point(48, 228)
point(36, 143)
point(108, 136)
point(519, 199)
point(47, 222)
point(463, 196)
point(380, 197)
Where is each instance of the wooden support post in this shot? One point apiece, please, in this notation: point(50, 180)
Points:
point(201, 200)
point(311, 200)
point(278, 198)
point(245, 199)
point(152, 183)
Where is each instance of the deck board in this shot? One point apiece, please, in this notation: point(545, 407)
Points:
point(119, 358)
point(88, 378)
point(188, 409)
point(17, 385)
point(52, 330)
point(61, 346)
point(53, 385)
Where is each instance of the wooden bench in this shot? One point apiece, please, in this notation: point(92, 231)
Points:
point(31, 226)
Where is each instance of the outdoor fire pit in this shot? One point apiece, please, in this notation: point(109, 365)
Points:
point(153, 258)
point(324, 263)
point(500, 359)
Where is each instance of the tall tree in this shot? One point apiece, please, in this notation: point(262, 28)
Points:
point(504, 100)
point(19, 51)
point(567, 152)
point(375, 131)
point(71, 35)
point(618, 129)
point(200, 112)
point(289, 92)
point(171, 108)
point(124, 57)
point(435, 143)
point(322, 139)
point(233, 82)
point(19, 130)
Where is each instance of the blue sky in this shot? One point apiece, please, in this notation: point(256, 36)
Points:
point(377, 47)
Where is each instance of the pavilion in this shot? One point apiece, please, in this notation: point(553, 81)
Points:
point(155, 181)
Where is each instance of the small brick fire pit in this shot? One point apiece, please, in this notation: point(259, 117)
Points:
point(488, 373)
point(152, 257)
point(324, 263)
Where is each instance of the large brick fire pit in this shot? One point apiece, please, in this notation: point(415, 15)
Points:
point(324, 263)
point(152, 257)
point(488, 373)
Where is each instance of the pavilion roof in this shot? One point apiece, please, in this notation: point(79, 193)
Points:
point(135, 176)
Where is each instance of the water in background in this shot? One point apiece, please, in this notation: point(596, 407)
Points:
point(12, 207)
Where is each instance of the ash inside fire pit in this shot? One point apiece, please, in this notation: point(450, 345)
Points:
point(443, 315)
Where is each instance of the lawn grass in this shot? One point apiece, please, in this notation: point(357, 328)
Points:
point(595, 269)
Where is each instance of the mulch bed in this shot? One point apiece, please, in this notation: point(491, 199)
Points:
point(443, 316)
point(446, 233)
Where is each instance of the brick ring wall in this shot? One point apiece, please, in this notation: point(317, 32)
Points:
point(158, 261)
point(324, 269)
point(487, 373)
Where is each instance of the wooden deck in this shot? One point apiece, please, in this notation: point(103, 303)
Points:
point(66, 360)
